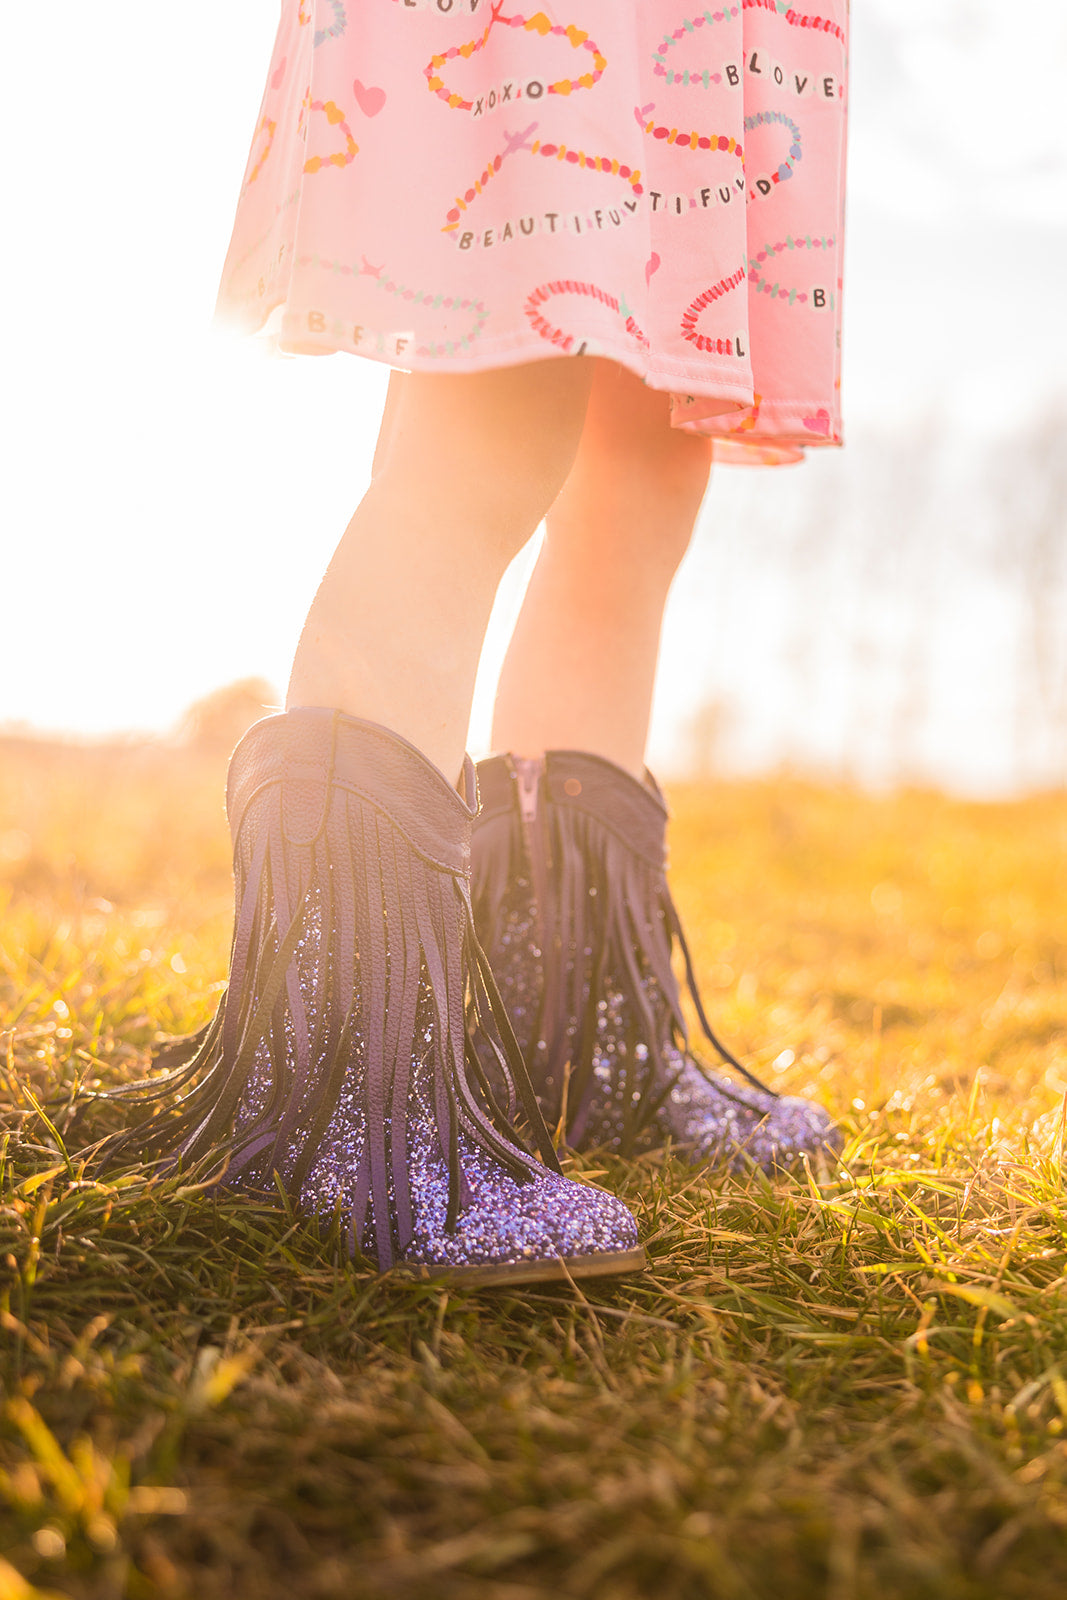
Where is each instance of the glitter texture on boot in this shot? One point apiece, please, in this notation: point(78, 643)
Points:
point(341, 1061)
point(572, 904)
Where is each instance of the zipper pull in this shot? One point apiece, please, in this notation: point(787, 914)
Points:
point(528, 772)
point(527, 776)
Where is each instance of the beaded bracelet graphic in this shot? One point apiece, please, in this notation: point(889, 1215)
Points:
point(336, 118)
point(796, 19)
point(704, 77)
point(539, 23)
point(568, 286)
point(718, 347)
point(540, 147)
point(694, 140)
point(426, 297)
point(270, 128)
point(415, 297)
point(764, 119)
point(776, 290)
point(336, 28)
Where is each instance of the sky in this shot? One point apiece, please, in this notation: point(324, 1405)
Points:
point(171, 497)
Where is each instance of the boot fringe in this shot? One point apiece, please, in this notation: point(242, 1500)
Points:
point(384, 917)
point(611, 925)
point(607, 916)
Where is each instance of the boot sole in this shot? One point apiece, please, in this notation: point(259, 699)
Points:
point(561, 1269)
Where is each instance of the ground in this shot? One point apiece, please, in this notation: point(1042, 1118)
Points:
point(847, 1383)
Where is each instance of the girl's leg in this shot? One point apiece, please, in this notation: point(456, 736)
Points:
point(338, 1065)
point(581, 668)
point(472, 464)
point(570, 892)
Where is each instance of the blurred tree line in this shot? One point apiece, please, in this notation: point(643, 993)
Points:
point(898, 615)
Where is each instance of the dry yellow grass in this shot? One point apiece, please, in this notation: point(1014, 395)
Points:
point(849, 1384)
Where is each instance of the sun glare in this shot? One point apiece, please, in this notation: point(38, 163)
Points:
point(178, 497)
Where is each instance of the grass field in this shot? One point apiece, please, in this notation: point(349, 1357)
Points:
point(846, 1384)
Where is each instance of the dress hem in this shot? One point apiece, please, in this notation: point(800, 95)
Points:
point(798, 424)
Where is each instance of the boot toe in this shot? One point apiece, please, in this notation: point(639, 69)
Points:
point(718, 1117)
point(803, 1125)
point(793, 1128)
point(507, 1223)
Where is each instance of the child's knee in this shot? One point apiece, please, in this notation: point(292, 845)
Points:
point(497, 446)
point(642, 494)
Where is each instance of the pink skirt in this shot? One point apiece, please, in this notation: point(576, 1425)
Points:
point(454, 185)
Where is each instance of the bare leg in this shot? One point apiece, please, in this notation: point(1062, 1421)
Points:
point(582, 664)
point(471, 466)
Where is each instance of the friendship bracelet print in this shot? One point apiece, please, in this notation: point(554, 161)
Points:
point(336, 27)
point(763, 185)
point(718, 347)
point(414, 297)
point(532, 88)
point(552, 79)
point(336, 118)
point(568, 286)
point(756, 63)
point(795, 19)
point(704, 77)
point(270, 128)
point(691, 141)
point(819, 298)
point(539, 147)
point(426, 297)
point(529, 89)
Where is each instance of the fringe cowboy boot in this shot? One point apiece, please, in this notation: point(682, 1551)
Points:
point(572, 904)
point(341, 1061)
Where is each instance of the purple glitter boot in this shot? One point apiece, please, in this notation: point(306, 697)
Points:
point(572, 904)
point(342, 1060)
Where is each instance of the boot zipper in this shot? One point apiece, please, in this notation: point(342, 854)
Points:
point(527, 774)
point(528, 778)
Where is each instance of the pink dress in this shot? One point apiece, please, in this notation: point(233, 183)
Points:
point(452, 185)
